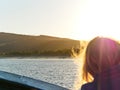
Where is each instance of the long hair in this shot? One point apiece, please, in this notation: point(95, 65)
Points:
point(101, 54)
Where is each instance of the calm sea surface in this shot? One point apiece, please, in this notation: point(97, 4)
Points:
point(62, 72)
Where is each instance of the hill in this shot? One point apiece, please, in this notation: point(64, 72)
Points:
point(17, 44)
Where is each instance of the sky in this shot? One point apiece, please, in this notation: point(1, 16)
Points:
point(75, 19)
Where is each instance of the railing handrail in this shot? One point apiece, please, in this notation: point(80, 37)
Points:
point(30, 82)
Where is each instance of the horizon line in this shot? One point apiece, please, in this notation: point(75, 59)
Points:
point(42, 35)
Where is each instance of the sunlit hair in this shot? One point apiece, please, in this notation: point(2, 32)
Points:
point(101, 53)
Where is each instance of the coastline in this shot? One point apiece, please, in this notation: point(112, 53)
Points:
point(37, 57)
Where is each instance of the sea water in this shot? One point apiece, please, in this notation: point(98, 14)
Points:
point(62, 72)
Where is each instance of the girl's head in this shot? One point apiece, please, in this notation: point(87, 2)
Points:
point(101, 53)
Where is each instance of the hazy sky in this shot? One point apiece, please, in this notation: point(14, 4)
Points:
point(77, 19)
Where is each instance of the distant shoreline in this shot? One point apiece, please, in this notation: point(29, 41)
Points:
point(37, 57)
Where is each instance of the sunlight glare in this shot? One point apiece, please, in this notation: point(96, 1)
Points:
point(98, 18)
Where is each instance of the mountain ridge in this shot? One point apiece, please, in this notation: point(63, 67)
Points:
point(10, 42)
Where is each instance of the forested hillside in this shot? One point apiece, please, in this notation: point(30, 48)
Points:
point(26, 45)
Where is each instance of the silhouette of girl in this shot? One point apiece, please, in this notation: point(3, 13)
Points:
point(102, 63)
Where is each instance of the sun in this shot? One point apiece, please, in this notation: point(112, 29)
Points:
point(98, 18)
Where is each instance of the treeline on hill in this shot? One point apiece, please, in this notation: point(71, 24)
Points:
point(64, 53)
point(61, 53)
